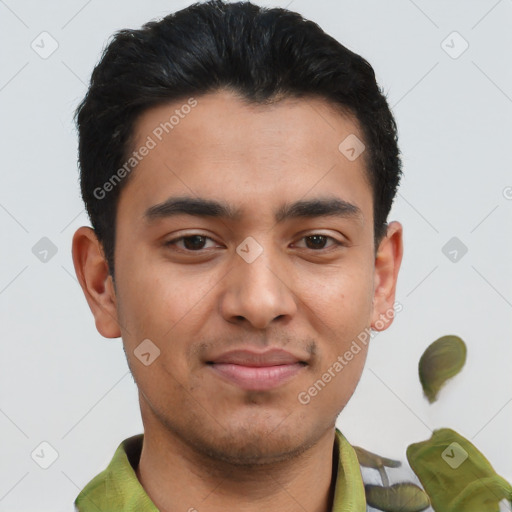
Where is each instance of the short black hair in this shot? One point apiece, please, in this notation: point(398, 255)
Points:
point(261, 54)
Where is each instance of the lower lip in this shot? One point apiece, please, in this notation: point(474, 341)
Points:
point(257, 378)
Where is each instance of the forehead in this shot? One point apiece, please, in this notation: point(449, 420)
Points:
point(218, 146)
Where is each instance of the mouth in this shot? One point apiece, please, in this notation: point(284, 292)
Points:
point(257, 371)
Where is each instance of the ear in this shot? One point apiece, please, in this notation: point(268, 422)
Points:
point(387, 264)
point(93, 275)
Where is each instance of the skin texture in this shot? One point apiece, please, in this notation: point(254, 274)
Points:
point(234, 449)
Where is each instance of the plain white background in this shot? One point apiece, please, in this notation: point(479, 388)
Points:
point(62, 383)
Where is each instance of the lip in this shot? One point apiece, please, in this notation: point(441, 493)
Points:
point(257, 371)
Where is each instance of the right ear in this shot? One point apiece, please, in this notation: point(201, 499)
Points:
point(94, 277)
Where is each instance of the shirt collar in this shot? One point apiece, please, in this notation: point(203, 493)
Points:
point(117, 488)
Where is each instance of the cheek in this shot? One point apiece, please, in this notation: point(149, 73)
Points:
point(342, 299)
point(331, 386)
point(341, 315)
point(158, 298)
point(163, 309)
point(170, 308)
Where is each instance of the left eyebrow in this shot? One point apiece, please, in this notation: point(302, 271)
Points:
point(320, 207)
point(202, 207)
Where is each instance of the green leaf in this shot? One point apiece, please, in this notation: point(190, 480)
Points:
point(372, 460)
point(442, 360)
point(456, 476)
point(403, 497)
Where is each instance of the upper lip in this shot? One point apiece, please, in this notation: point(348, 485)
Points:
point(245, 357)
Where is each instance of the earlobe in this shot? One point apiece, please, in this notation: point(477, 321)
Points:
point(387, 264)
point(93, 275)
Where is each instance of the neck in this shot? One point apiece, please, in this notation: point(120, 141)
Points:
point(177, 477)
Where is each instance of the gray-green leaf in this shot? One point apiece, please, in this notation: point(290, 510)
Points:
point(372, 460)
point(403, 497)
point(443, 359)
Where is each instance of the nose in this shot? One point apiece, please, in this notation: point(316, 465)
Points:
point(257, 292)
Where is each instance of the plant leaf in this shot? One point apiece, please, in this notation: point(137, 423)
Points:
point(442, 360)
point(403, 497)
point(372, 460)
point(456, 476)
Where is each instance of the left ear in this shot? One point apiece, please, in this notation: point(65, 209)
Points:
point(387, 265)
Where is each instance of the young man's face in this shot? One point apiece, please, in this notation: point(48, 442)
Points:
point(308, 285)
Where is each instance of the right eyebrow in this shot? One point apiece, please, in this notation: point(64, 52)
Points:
point(197, 206)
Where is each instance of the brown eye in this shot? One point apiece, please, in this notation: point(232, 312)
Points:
point(194, 242)
point(191, 243)
point(318, 241)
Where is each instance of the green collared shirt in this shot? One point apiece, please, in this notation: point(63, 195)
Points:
point(117, 488)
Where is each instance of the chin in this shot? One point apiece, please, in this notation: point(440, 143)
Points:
point(257, 442)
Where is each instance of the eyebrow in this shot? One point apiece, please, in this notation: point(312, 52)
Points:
point(202, 207)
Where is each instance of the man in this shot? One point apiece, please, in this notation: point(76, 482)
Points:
point(238, 166)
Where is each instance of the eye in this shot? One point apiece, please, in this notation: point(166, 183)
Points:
point(196, 243)
point(191, 243)
point(317, 241)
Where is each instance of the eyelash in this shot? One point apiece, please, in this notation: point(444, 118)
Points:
point(337, 243)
